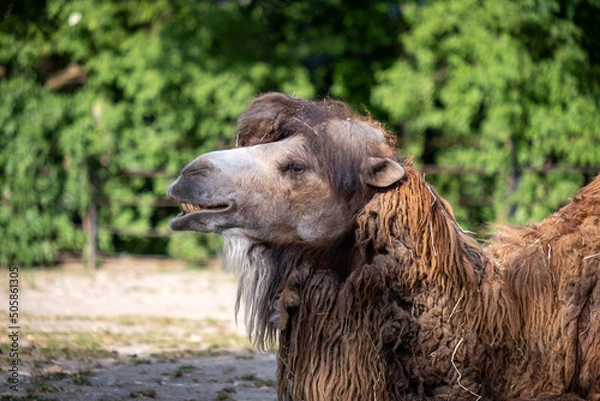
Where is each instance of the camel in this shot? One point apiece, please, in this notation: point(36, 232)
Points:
point(357, 270)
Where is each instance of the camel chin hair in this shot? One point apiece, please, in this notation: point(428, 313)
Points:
point(245, 258)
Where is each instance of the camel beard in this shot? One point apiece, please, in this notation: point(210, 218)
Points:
point(246, 259)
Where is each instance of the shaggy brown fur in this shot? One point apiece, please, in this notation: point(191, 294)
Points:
point(405, 306)
point(430, 316)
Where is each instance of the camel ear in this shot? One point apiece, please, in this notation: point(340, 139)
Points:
point(383, 172)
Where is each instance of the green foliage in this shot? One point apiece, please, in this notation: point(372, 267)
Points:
point(35, 216)
point(503, 88)
point(104, 101)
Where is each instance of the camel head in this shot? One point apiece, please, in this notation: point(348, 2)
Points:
point(300, 174)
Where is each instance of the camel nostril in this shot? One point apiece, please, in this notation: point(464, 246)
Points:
point(198, 167)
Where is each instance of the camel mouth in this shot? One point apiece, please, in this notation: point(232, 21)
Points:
point(188, 208)
point(201, 218)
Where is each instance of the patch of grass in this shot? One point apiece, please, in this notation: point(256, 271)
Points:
point(85, 373)
point(51, 376)
point(45, 388)
point(51, 353)
point(168, 356)
point(175, 356)
point(257, 381)
point(225, 394)
point(141, 361)
point(56, 345)
point(149, 393)
point(215, 350)
point(82, 381)
point(183, 369)
point(29, 397)
point(82, 377)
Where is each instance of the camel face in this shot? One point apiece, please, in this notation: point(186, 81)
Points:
point(294, 190)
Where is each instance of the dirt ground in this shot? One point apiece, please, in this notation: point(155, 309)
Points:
point(136, 328)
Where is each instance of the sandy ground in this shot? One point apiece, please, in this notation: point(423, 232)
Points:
point(136, 328)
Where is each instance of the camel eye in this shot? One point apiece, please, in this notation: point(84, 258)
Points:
point(294, 167)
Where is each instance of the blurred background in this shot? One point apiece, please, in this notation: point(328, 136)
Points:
point(103, 102)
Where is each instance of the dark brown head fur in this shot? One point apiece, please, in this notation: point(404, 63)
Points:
point(273, 117)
